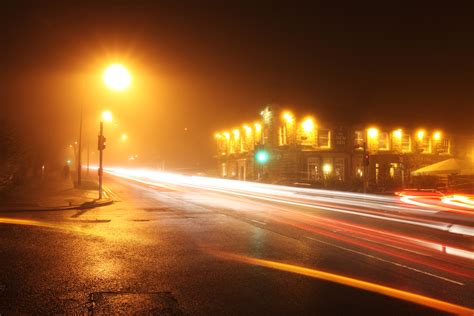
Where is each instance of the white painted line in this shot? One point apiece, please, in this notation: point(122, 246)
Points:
point(387, 261)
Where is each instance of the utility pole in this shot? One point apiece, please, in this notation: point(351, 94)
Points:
point(88, 154)
point(366, 167)
point(402, 167)
point(79, 163)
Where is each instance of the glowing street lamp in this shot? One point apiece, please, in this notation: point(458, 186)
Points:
point(248, 129)
point(420, 135)
point(327, 168)
point(107, 116)
point(437, 136)
point(116, 77)
point(287, 116)
point(308, 125)
point(236, 133)
point(397, 133)
point(372, 132)
point(124, 137)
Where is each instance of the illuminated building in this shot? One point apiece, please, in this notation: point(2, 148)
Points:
point(305, 151)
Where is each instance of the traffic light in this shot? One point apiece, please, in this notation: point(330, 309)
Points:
point(262, 156)
point(366, 159)
point(101, 144)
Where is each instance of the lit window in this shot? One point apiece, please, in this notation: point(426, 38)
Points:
point(339, 168)
point(359, 139)
point(314, 169)
point(324, 138)
point(425, 145)
point(394, 170)
point(443, 146)
point(328, 168)
point(282, 134)
point(223, 169)
point(406, 143)
point(383, 141)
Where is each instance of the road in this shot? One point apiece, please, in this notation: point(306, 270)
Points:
point(174, 244)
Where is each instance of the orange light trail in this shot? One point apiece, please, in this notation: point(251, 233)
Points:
point(459, 200)
point(414, 250)
point(385, 235)
point(382, 249)
point(352, 282)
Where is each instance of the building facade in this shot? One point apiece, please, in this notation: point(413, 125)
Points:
point(304, 151)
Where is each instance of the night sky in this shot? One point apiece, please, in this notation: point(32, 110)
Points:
point(214, 66)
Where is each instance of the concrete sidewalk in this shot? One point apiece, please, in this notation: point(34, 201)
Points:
point(53, 192)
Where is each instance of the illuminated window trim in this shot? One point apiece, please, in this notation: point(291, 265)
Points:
point(409, 150)
point(387, 141)
point(359, 140)
point(328, 146)
point(283, 135)
point(430, 146)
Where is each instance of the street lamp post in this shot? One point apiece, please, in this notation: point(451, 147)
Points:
point(116, 77)
point(366, 168)
point(79, 163)
point(101, 147)
point(106, 116)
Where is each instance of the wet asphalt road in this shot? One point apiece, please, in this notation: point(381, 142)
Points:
point(178, 250)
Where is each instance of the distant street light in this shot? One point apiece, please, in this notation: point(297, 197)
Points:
point(308, 125)
point(288, 117)
point(420, 134)
point(248, 129)
point(372, 132)
point(236, 133)
point(398, 133)
point(327, 168)
point(124, 137)
point(258, 127)
point(107, 116)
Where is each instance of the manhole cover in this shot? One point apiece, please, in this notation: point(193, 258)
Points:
point(120, 303)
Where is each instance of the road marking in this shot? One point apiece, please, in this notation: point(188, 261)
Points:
point(386, 261)
point(443, 227)
point(259, 222)
point(348, 281)
point(111, 193)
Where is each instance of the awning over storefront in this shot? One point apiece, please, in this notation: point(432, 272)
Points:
point(447, 167)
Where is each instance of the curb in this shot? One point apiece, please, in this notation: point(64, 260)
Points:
point(83, 206)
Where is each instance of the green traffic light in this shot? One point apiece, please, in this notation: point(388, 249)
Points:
point(262, 156)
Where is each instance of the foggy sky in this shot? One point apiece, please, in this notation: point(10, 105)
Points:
point(210, 67)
